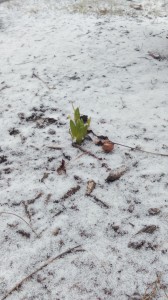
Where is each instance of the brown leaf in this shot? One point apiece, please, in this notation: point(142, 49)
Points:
point(116, 174)
point(91, 184)
point(155, 55)
point(62, 169)
point(148, 229)
point(24, 233)
point(137, 6)
point(136, 245)
point(153, 211)
point(45, 176)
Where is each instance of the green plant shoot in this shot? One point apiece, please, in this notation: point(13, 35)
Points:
point(78, 128)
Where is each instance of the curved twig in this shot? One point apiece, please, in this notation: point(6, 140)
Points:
point(46, 263)
point(10, 213)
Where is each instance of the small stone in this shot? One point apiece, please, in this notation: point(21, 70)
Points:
point(153, 211)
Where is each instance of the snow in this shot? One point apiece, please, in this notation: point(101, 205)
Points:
point(103, 64)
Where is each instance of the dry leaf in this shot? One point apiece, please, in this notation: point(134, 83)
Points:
point(116, 174)
point(137, 6)
point(45, 176)
point(91, 184)
point(62, 169)
point(155, 55)
point(148, 229)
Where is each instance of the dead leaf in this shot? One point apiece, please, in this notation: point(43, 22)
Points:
point(56, 231)
point(153, 211)
point(62, 169)
point(91, 184)
point(148, 229)
point(45, 176)
point(155, 55)
point(116, 174)
point(136, 245)
point(24, 233)
point(137, 6)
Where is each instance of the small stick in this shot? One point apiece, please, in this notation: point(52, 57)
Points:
point(27, 210)
point(54, 148)
point(86, 151)
point(46, 263)
point(71, 192)
point(9, 213)
point(37, 76)
point(132, 148)
point(99, 202)
point(4, 87)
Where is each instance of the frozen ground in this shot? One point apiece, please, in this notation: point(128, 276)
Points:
point(114, 67)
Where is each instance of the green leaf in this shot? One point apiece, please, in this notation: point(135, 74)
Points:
point(85, 130)
point(76, 114)
point(73, 129)
point(88, 122)
point(78, 129)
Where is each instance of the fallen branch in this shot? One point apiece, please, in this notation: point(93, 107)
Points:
point(9, 213)
point(46, 263)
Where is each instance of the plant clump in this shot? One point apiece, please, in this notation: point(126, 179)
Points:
point(79, 126)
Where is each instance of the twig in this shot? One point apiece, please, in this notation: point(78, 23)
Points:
point(4, 87)
point(54, 148)
point(152, 289)
point(130, 147)
point(71, 192)
point(85, 151)
point(46, 263)
point(99, 202)
point(31, 201)
point(140, 150)
point(34, 75)
point(9, 213)
point(27, 210)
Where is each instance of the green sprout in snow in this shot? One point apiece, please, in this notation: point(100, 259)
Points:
point(79, 126)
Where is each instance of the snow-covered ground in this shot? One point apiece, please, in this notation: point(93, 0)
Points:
point(114, 67)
